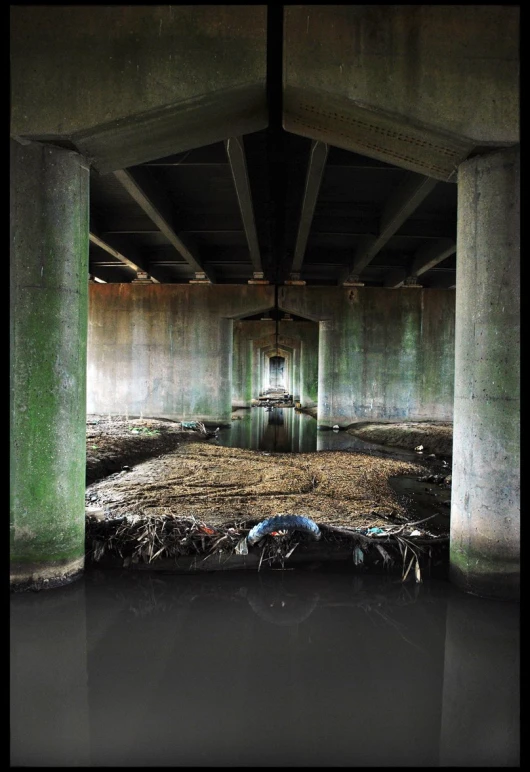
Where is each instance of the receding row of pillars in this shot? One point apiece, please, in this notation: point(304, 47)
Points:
point(48, 329)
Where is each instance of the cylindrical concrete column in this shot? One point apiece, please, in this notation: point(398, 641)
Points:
point(303, 371)
point(48, 328)
point(255, 369)
point(295, 380)
point(224, 357)
point(325, 373)
point(486, 476)
point(249, 373)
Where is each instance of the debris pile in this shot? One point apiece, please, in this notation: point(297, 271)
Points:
point(196, 501)
point(136, 539)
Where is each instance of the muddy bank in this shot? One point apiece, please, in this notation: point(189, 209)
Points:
point(435, 437)
point(115, 442)
point(220, 486)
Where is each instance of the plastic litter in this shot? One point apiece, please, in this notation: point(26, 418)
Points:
point(358, 555)
point(375, 531)
point(283, 523)
point(242, 547)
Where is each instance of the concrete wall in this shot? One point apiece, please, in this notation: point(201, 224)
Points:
point(166, 350)
point(384, 354)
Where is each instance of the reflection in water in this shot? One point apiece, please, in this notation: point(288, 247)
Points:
point(276, 430)
point(272, 668)
point(284, 430)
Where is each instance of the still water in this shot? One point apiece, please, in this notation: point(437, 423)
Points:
point(276, 668)
point(285, 430)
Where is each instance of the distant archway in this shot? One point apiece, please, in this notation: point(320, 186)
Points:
point(276, 372)
point(273, 352)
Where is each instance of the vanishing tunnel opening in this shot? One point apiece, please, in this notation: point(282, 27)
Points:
point(274, 382)
point(276, 372)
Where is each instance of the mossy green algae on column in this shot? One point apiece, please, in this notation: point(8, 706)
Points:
point(48, 333)
point(485, 505)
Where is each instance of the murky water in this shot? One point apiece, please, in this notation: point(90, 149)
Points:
point(276, 668)
point(423, 499)
point(285, 430)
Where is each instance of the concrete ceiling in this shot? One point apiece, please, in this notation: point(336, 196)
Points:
point(275, 203)
point(234, 144)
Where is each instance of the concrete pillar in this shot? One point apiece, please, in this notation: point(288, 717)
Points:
point(485, 539)
point(48, 328)
point(325, 373)
point(303, 371)
point(225, 355)
point(295, 380)
point(255, 372)
point(249, 373)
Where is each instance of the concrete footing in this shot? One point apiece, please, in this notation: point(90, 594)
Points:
point(45, 576)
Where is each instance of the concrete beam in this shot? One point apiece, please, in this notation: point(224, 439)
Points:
point(432, 254)
point(409, 195)
point(425, 258)
point(161, 79)
point(315, 171)
point(412, 85)
point(236, 155)
point(143, 190)
point(99, 242)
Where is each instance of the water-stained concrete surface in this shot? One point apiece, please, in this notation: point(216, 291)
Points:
point(269, 668)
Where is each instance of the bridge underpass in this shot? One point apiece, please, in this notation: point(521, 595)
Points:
point(355, 166)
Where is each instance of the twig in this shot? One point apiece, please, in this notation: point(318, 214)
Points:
point(406, 525)
point(413, 558)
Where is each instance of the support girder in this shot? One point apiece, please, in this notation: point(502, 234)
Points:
point(408, 196)
point(147, 195)
point(235, 151)
point(102, 244)
point(315, 172)
point(425, 258)
point(430, 255)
